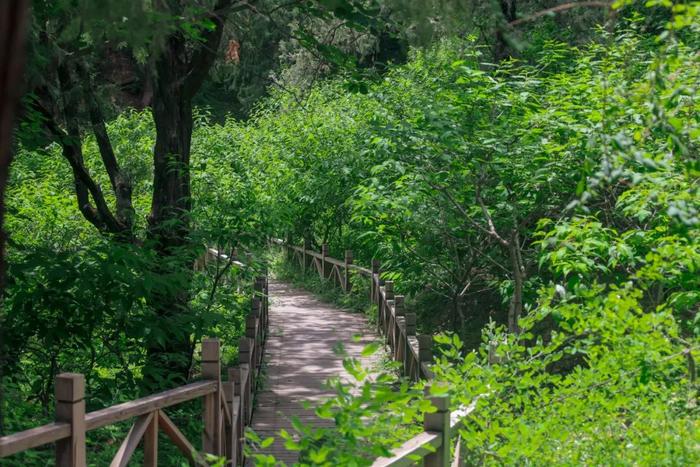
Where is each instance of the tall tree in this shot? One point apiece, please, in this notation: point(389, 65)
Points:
point(170, 47)
point(13, 22)
point(164, 50)
point(179, 74)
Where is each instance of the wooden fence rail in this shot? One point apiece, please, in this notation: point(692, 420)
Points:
point(414, 353)
point(226, 408)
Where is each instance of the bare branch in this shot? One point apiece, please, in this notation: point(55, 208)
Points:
point(121, 185)
point(492, 228)
point(559, 8)
point(203, 58)
point(491, 231)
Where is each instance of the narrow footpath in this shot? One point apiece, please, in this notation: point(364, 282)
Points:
point(300, 357)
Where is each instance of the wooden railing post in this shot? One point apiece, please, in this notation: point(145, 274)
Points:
point(411, 324)
point(425, 347)
point(347, 284)
point(235, 375)
point(150, 443)
point(231, 432)
point(373, 287)
point(211, 407)
point(70, 408)
point(400, 315)
point(247, 376)
point(438, 422)
point(324, 266)
point(408, 360)
point(252, 330)
point(383, 309)
point(389, 335)
point(425, 352)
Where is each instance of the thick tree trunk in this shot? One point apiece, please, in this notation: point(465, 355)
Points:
point(502, 48)
point(180, 72)
point(13, 23)
point(169, 223)
point(515, 309)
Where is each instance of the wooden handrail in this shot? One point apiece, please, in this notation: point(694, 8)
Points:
point(363, 271)
point(145, 405)
point(225, 416)
point(335, 262)
point(33, 437)
point(420, 445)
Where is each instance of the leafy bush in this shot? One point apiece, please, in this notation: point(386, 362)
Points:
point(547, 214)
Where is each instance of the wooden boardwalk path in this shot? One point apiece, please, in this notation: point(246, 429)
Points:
point(300, 357)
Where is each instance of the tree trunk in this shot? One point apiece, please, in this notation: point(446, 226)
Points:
point(180, 71)
point(169, 223)
point(502, 48)
point(13, 23)
point(516, 303)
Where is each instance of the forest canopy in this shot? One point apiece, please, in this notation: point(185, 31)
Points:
point(526, 171)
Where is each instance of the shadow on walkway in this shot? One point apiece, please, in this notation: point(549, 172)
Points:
point(300, 357)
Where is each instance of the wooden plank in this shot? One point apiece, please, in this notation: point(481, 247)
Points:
point(70, 408)
point(246, 393)
point(227, 412)
point(150, 443)
point(121, 412)
point(416, 446)
point(133, 438)
point(335, 262)
point(363, 271)
point(231, 443)
point(458, 461)
point(340, 278)
point(314, 254)
point(211, 407)
point(335, 276)
point(28, 439)
point(178, 439)
point(457, 417)
point(239, 427)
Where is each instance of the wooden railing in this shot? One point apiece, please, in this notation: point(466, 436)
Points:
point(413, 352)
point(226, 409)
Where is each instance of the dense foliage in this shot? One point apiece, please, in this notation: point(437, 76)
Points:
point(541, 213)
point(77, 301)
point(546, 213)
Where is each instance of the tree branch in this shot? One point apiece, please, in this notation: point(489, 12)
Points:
point(99, 215)
point(121, 186)
point(557, 9)
point(204, 56)
point(491, 231)
point(489, 220)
